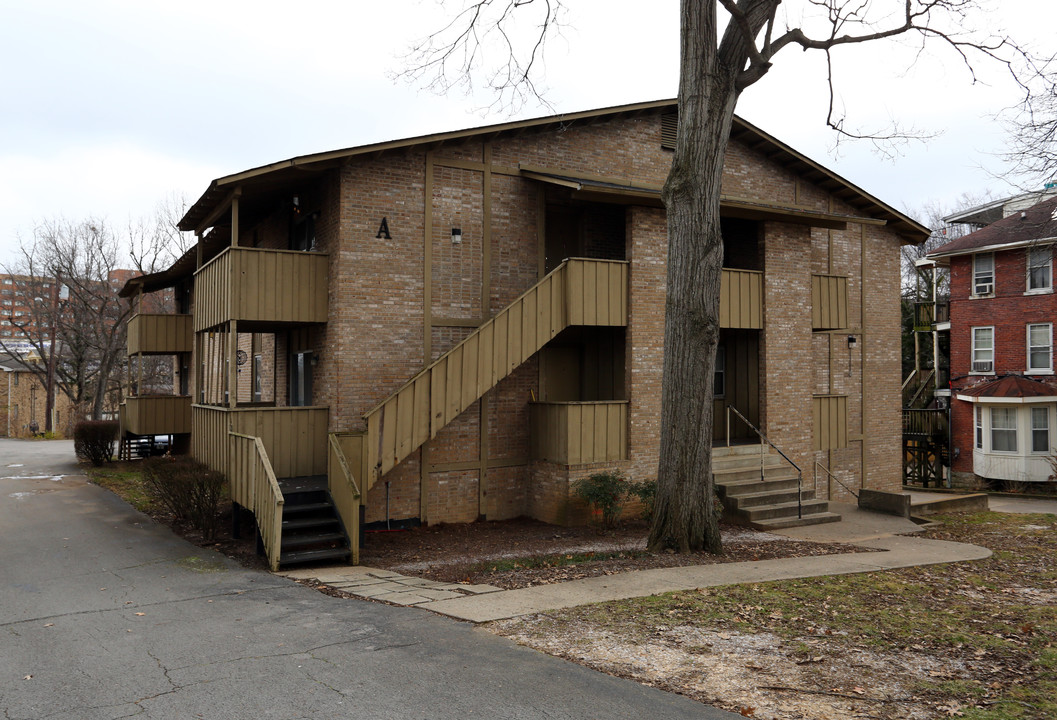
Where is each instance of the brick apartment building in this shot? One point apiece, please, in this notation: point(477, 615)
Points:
point(23, 401)
point(1002, 310)
point(457, 326)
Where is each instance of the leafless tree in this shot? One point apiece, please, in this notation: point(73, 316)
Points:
point(1032, 129)
point(157, 242)
point(725, 47)
point(71, 318)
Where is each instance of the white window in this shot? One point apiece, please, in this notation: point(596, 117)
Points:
point(983, 350)
point(984, 274)
point(1040, 430)
point(979, 427)
point(1040, 356)
point(1040, 268)
point(1003, 429)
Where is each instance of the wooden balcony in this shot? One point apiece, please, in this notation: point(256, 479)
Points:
point(295, 438)
point(741, 299)
point(929, 314)
point(577, 433)
point(256, 285)
point(157, 414)
point(160, 334)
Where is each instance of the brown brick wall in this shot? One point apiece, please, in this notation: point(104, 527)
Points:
point(376, 337)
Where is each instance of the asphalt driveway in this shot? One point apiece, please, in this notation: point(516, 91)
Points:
point(105, 615)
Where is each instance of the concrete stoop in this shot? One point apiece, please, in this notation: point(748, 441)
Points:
point(762, 492)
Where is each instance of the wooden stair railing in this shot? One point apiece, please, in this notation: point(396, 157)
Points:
point(577, 292)
point(254, 486)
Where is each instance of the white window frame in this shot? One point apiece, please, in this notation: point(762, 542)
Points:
point(980, 287)
point(979, 427)
point(1034, 414)
point(975, 348)
point(1033, 263)
point(1004, 412)
point(1046, 369)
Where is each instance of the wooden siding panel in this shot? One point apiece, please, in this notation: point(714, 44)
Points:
point(829, 302)
point(740, 299)
point(261, 285)
point(573, 433)
point(830, 421)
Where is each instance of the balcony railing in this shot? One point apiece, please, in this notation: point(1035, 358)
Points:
point(159, 334)
point(295, 438)
point(741, 299)
point(927, 314)
point(157, 414)
point(263, 286)
point(575, 433)
point(925, 423)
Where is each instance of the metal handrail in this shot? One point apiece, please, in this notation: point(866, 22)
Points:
point(764, 439)
point(829, 493)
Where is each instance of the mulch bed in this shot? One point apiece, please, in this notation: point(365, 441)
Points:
point(522, 552)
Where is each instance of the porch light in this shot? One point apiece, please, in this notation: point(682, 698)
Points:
point(852, 341)
point(456, 235)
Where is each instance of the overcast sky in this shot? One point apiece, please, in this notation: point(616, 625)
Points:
point(107, 107)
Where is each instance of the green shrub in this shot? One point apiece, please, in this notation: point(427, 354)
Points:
point(93, 440)
point(188, 489)
point(606, 493)
point(646, 492)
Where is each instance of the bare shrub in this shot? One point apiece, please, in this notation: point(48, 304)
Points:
point(188, 489)
point(93, 440)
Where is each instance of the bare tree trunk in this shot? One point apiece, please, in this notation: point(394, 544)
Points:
point(685, 516)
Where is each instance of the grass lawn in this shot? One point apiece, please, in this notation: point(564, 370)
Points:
point(973, 640)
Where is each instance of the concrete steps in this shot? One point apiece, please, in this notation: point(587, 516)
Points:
point(762, 493)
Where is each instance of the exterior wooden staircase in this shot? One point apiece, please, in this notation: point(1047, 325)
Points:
point(764, 495)
point(577, 292)
point(312, 530)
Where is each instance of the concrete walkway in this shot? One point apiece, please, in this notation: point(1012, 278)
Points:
point(884, 534)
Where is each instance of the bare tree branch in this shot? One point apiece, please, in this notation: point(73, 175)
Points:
point(485, 40)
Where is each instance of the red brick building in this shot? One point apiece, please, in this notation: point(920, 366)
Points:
point(1002, 311)
point(457, 326)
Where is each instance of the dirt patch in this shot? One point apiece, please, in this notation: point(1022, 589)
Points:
point(521, 553)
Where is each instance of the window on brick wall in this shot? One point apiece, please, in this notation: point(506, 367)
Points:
point(983, 350)
point(1040, 341)
point(1040, 269)
point(719, 378)
point(984, 274)
point(1003, 429)
point(1040, 430)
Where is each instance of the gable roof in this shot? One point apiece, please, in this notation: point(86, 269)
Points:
point(742, 132)
point(1028, 227)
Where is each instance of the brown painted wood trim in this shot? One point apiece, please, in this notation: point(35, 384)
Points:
point(427, 262)
point(218, 211)
point(864, 445)
point(486, 241)
point(482, 475)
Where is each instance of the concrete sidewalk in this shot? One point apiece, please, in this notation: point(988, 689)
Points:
point(482, 603)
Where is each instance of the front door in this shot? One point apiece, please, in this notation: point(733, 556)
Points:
point(736, 383)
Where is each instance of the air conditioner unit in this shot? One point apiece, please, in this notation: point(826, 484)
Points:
point(984, 289)
point(982, 367)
